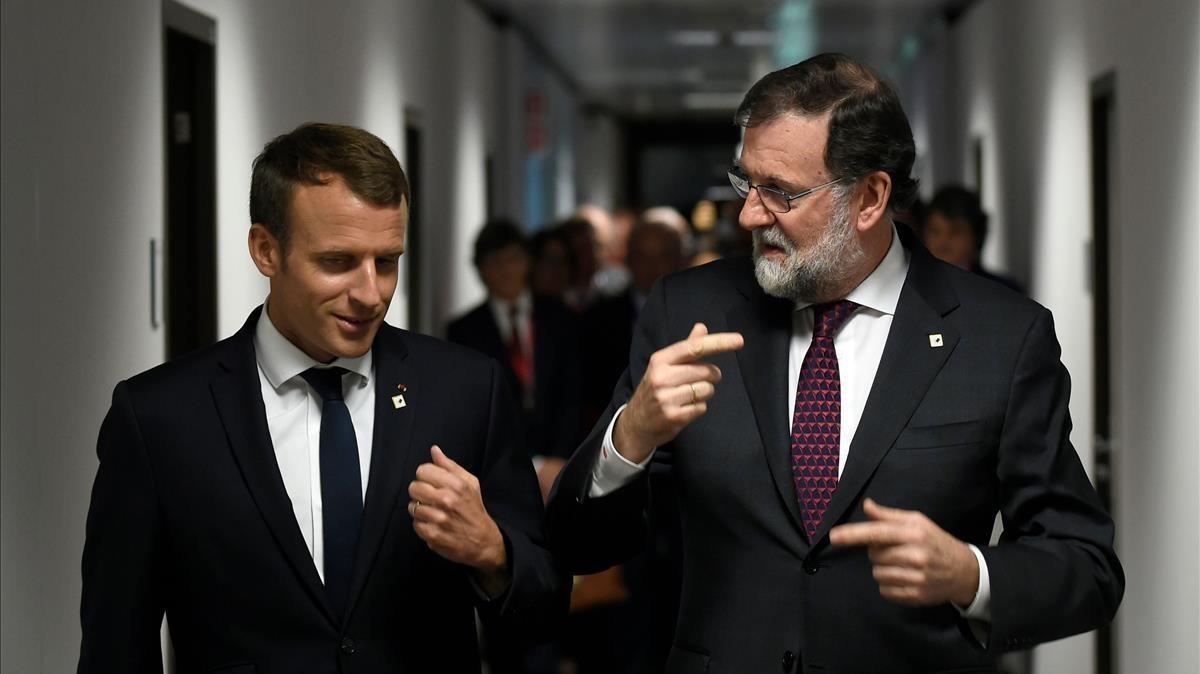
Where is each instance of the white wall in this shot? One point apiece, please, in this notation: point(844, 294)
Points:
point(83, 195)
point(600, 165)
point(81, 198)
point(1019, 79)
point(1156, 332)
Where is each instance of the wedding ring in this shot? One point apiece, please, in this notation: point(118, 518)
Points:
point(416, 504)
point(695, 398)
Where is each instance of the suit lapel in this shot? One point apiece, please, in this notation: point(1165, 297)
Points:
point(766, 325)
point(390, 451)
point(237, 394)
point(907, 369)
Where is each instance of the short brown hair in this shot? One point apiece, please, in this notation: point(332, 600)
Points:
point(307, 156)
point(868, 130)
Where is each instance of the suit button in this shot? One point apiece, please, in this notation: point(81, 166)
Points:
point(811, 568)
point(789, 659)
point(348, 647)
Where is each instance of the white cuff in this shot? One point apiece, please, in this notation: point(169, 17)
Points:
point(979, 612)
point(981, 607)
point(613, 471)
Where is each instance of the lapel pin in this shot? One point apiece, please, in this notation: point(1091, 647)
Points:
point(398, 400)
point(935, 340)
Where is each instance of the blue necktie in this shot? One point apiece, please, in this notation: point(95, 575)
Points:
point(341, 484)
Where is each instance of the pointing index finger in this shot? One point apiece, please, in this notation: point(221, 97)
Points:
point(693, 349)
point(867, 533)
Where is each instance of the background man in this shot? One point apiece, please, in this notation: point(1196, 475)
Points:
point(955, 228)
point(843, 440)
point(534, 338)
point(256, 490)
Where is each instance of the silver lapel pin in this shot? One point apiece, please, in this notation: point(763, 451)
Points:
point(935, 340)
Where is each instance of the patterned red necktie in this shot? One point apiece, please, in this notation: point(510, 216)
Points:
point(522, 365)
point(817, 420)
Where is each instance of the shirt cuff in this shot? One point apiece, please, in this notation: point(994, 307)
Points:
point(613, 471)
point(979, 612)
point(981, 607)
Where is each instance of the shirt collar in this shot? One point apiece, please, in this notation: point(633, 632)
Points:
point(281, 361)
point(504, 308)
point(880, 291)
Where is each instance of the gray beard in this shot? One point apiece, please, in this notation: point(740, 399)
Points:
point(819, 274)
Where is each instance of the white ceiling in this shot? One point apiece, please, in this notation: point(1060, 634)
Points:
point(672, 58)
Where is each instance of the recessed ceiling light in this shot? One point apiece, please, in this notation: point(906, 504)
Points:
point(754, 38)
point(694, 38)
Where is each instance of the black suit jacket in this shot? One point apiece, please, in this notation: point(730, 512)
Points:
point(554, 426)
point(959, 432)
point(607, 332)
point(190, 516)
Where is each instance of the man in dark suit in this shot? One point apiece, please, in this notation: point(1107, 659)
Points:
point(955, 227)
point(653, 251)
point(535, 339)
point(320, 492)
point(843, 439)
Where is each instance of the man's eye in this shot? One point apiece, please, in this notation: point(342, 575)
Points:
point(386, 262)
point(334, 262)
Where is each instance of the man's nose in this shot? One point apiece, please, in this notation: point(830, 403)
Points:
point(365, 289)
point(754, 213)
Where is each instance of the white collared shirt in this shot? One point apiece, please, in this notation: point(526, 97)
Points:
point(294, 419)
point(859, 344)
point(502, 312)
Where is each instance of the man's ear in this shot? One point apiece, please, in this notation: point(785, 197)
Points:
point(265, 251)
point(873, 193)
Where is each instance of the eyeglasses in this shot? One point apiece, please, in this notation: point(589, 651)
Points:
point(773, 198)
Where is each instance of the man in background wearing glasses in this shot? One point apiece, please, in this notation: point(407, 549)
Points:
point(844, 416)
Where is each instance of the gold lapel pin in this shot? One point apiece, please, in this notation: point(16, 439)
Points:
point(935, 340)
point(398, 400)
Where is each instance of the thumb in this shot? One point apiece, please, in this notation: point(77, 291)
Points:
point(879, 513)
point(698, 330)
point(442, 461)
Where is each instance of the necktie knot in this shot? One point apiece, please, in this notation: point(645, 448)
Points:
point(829, 317)
point(326, 381)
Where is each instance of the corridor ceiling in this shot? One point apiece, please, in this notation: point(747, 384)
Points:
point(694, 58)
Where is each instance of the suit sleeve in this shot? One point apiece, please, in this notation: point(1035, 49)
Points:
point(122, 606)
point(538, 592)
point(1054, 572)
point(590, 534)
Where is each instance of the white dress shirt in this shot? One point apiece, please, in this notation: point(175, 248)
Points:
point(502, 312)
point(294, 419)
point(859, 344)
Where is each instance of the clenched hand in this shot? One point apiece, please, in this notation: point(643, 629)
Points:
point(448, 514)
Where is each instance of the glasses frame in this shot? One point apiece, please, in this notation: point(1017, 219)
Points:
point(736, 175)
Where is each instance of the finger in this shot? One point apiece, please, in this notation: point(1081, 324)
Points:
point(686, 373)
point(689, 413)
point(441, 460)
point(897, 576)
point(883, 513)
point(868, 533)
point(902, 594)
point(438, 477)
point(425, 492)
point(892, 555)
point(693, 349)
point(696, 392)
point(698, 330)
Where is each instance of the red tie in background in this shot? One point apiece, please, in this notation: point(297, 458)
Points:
point(521, 363)
point(817, 420)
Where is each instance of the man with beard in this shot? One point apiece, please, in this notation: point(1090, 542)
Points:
point(844, 416)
